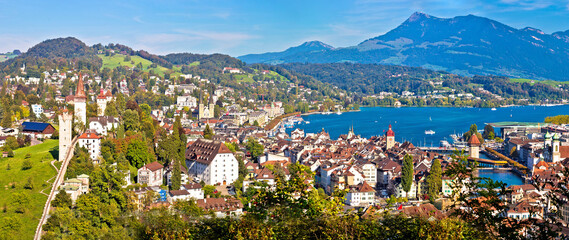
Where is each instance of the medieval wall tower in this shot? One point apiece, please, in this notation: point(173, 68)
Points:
point(65, 129)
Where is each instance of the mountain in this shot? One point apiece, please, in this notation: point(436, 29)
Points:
point(67, 52)
point(465, 45)
point(294, 52)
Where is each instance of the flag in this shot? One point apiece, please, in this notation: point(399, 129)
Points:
point(400, 207)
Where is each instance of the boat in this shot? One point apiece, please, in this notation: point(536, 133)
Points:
point(429, 132)
point(307, 122)
point(493, 109)
point(338, 112)
point(445, 144)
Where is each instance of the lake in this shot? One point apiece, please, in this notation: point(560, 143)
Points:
point(506, 177)
point(410, 123)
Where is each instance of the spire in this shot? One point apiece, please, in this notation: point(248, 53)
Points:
point(80, 93)
point(390, 132)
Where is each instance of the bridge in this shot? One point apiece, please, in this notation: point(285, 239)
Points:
point(58, 180)
point(442, 149)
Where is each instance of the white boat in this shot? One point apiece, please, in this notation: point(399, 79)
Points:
point(429, 132)
point(493, 109)
point(338, 112)
point(307, 122)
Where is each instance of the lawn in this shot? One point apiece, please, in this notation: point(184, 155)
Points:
point(118, 60)
point(23, 225)
point(532, 81)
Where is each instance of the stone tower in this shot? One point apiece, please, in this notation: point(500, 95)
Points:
point(206, 111)
point(555, 154)
point(390, 138)
point(81, 102)
point(65, 125)
point(474, 146)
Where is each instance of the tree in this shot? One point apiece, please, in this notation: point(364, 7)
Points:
point(27, 164)
point(62, 199)
point(29, 184)
point(434, 180)
point(137, 153)
point(111, 109)
point(254, 148)
point(488, 132)
point(407, 174)
point(208, 132)
point(21, 201)
point(131, 120)
point(176, 176)
point(7, 119)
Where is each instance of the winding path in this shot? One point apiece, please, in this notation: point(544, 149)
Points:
point(56, 183)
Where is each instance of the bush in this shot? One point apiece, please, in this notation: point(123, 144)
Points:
point(30, 184)
point(27, 164)
point(28, 156)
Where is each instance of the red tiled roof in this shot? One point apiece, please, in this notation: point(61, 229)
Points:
point(153, 166)
point(390, 132)
point(89, 135)
point(474, 141)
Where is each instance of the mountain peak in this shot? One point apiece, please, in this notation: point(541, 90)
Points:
point(416, 16)
point(530, 29)
point(316, 44)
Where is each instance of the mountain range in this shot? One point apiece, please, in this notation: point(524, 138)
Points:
point(465, 45)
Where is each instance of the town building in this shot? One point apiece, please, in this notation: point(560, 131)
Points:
point(212, 162)
point(76, 186)
point(80, 100)
point(37, 129)
point(151, 174)
point(65, 125)
point(92, 142)
point(103, 124)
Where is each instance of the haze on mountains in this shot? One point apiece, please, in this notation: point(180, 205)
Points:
point(465, 45)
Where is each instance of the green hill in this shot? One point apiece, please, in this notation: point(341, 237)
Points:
point(14, 225)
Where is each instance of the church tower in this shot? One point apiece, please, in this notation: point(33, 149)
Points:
point(211, 107)
point(65, 125)
point(101, 103)
point(81, 102)
point(390, 137)
point(555, 154)
point(547, 142)
point(474, 146)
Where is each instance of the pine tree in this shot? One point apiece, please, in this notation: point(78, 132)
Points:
point(407, 174)
point(208, 132)
point(176, 176)
point(434, 180)
point(7, 119)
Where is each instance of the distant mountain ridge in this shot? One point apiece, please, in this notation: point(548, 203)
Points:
point(464, 45)
point(274, 57)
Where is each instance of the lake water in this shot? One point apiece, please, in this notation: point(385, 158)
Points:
point(410, 123)
point(507, 177)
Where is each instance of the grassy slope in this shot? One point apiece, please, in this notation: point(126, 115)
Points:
point(41, 172)
point(548, 82)
point(118, 60)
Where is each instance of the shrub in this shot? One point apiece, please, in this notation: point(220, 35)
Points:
point(27, 164)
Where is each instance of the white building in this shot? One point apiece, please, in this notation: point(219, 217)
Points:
point(212, 162)
point(37, 109)
point(92, 142)
point(76, 186)
point(186, 101)
point(151, 174)
point(361, 194)
point(102, 125)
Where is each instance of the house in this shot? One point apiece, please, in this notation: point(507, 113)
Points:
point(37, 109)
point(361, 194)
point(92, 142)
point(76, 186)
point(186, 101)
point(37, 129)
point(151, 174)
point(231, 70)
point(195, 190)
point(102, 125)
point(212, 162)
point(3, 140)
point(221, 206)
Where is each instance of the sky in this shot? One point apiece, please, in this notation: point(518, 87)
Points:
point(241, 27)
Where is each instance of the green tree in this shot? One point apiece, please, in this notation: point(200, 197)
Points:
point(434, 180)
point(254, 148)
point(131, 120)
point(137, 153)
point(21, 201)
point(62, 199)
point(111, 109)
point(176, 176)
point(208, 132)
point(27, 164)
point(7, 119)
point(407, 174)
point(488, 132)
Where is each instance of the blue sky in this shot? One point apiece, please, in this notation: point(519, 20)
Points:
point(242, 27)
